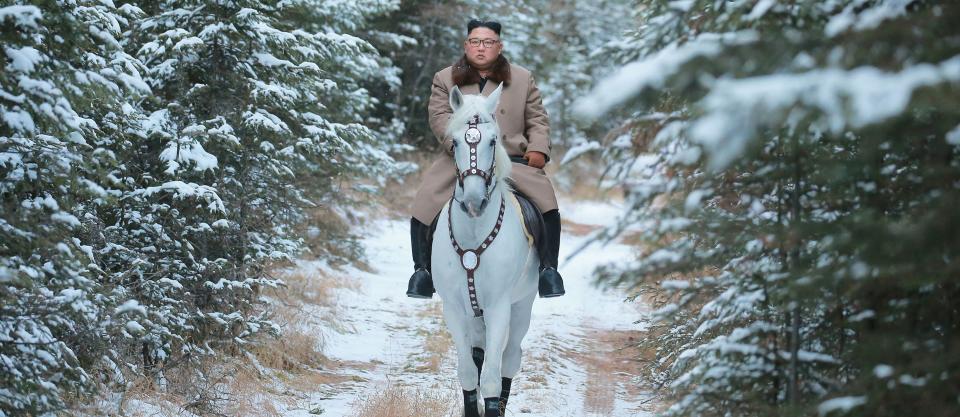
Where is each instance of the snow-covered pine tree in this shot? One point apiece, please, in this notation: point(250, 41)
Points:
point(420, 38)
point(565, 49)
point(797, 190)
point(257, 115)
point(64, 80)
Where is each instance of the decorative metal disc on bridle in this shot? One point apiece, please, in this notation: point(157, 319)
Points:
point(470, 258)
point(472, 137)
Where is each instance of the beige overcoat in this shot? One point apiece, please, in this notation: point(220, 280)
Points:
point(523, 127)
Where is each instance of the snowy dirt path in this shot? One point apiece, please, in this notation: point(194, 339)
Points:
point(392, 351)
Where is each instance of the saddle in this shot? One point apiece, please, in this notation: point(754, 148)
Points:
point(532, 219)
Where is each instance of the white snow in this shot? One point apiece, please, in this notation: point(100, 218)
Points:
point(736, 109)
point(580, 149)
point(868, 18)
point(23, 59)
point(134, 327)
point(179, 152)
point(882, 371)
point(26, 16)
point(130, 305)
point(760, 9)
point(842, 404)
point(606, 214)
point(653, 71)
point(381, 326)
point(692, 202)
point(953, 136)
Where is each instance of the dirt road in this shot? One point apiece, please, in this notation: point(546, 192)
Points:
point(389, 355)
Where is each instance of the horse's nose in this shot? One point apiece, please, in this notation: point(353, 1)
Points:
point(483, 203)
point(471, 209)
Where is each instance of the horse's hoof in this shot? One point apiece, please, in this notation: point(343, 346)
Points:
point(491, 407)
point(505, 384)
point(470, 404)
point(420, 285)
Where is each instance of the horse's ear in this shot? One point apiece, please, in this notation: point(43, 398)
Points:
point(456, 98)
point(493, 99)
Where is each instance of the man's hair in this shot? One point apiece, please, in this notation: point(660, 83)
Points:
point(489, 24)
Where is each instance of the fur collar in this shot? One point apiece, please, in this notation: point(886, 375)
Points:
point(464, 74)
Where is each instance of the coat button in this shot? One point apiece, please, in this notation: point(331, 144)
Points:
point(503, 111)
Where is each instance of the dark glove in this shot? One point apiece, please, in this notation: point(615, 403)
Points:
point(536, 159)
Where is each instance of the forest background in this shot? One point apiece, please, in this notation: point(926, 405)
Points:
point(793, 167)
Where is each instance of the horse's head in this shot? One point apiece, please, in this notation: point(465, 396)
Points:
point(482, 163)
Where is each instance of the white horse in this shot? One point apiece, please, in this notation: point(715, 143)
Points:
point(485, 270)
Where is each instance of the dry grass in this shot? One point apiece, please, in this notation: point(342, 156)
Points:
point(397, 401)
point(298, 351)
point(587, 172)
point(438, 343)
point(397, 195)
point(249, 395)
point(272, 369)
point(215, 386)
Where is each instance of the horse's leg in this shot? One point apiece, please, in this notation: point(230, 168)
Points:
point(478, 360)
point(458, 325)
point(519, 324)
point(497, 320)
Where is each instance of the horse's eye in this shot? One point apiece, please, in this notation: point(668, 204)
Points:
point(493, 141)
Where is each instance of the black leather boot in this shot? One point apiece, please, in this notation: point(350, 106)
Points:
point(421, 282)
point(551, 283)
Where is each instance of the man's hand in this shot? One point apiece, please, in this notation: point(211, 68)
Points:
point(447, 146)
point(535, 159)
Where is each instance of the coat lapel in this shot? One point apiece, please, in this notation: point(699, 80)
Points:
point(470, 89)
point(489, 87)
point(475, 88)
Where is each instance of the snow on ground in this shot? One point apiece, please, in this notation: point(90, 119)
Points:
point(382, 337)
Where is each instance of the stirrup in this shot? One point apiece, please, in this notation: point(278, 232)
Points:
point(420, 285)
point(551, 283)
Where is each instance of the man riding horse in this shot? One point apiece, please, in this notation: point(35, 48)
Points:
point(526, 136)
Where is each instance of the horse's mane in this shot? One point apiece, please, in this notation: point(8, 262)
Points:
point(475, 104)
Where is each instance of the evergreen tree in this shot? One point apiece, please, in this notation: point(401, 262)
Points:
point(64, 79)
point(256, 117)
point(797, 182)
point(155, 162)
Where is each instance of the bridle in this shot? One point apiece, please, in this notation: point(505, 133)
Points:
point(473, 138)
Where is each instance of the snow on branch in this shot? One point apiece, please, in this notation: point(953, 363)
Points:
point(736, 109)
point(653, 71)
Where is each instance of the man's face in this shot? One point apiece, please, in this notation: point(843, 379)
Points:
point(479, 54)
